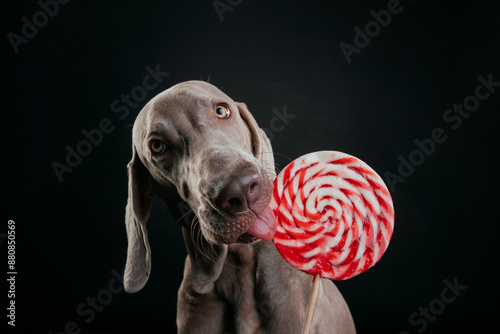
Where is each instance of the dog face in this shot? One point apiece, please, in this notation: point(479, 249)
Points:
point(194, 144)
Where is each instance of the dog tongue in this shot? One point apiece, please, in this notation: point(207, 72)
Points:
point(264, 226)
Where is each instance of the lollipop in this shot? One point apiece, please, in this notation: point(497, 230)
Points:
point(335, 216)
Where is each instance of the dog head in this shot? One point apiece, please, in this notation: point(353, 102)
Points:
point(193, 144)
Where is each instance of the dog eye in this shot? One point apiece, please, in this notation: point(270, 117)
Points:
point(157, 147)
point(222, 112)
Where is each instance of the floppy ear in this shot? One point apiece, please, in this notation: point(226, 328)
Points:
point(261, 145)
point(140, 200)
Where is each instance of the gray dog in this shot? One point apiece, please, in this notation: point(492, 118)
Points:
point(195, 146)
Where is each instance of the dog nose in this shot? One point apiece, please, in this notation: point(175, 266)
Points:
point(240, 193)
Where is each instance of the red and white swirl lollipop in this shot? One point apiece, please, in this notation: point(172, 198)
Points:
point(335, 215)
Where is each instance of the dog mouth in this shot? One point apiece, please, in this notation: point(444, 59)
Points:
point(265, 225)
point(238, 210)
point(249, 227)
point(254, 224)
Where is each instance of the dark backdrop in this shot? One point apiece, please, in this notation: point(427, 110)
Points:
point(393, 93)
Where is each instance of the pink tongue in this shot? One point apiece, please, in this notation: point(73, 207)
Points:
point(264, 226)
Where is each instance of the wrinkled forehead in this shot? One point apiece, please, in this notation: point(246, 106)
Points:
point(184, 103)
point(189, 94)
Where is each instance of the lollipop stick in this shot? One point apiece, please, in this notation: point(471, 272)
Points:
point(310, 304)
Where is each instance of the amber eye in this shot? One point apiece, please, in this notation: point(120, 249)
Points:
point(222, 112)
point(157, 147)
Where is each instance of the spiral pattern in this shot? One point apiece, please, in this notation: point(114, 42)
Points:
point(335, 215)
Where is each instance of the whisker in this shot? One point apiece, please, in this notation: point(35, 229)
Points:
point(283, 155)
point(184, 216)
point(203, 246)
point(197, 238)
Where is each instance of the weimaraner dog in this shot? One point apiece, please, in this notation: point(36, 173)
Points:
point(195, 146)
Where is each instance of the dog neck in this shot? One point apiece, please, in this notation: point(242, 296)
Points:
point(205, 258)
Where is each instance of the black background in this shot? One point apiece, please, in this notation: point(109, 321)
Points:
point(70, 235)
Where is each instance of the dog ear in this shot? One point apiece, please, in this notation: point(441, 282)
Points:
point(261, 144)
point(140, 201)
